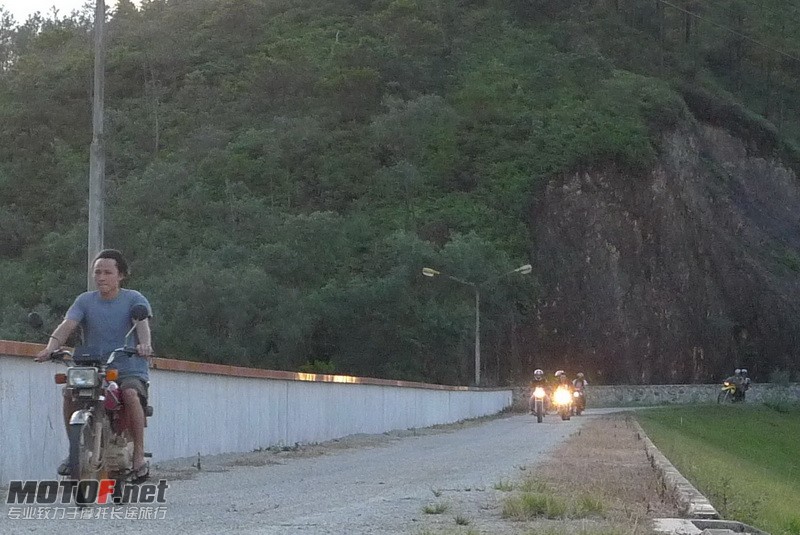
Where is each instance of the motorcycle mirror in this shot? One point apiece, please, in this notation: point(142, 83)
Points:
point(140, 312)
point(35, 320)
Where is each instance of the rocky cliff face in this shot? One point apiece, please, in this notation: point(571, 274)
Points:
point(680, 274)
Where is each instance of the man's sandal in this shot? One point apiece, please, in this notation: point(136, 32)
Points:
point(64, 469)
point(141, 474)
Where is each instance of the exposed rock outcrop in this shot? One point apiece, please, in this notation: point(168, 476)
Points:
point(680, 274)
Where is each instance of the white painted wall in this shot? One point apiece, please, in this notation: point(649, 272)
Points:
point(213, 414)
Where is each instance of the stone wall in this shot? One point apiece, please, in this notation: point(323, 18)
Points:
point(644, 395)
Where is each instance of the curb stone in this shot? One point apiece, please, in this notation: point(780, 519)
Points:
point(692, 503)
point(703, 518)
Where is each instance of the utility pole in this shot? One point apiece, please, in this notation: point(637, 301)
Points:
point(97, 157)
point(477, 335)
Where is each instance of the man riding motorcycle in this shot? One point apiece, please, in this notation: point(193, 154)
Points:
point(737, 380)
point(562, 395)
point(105, 316)
point(745, 383)
point(539, 381)
point(579, 385)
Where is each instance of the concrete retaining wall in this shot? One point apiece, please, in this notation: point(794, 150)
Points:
point(645, 395)
point(210, 409)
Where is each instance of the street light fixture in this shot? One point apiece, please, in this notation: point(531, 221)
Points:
point(430, 272)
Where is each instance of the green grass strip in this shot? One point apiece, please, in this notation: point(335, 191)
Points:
point(745, 459)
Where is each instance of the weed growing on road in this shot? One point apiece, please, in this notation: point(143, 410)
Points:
point(580, 531)
point(504, 485)
point(461, 521)
point(455, 531)
point(435, 508)
point(530, 505)
point(588, 505)
point(532, 484)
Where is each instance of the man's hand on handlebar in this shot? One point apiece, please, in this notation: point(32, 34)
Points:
point(52, 354)
point(43, 355)
point(144, 350)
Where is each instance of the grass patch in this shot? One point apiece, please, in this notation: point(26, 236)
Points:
point(581, 531)
point(534, 485)
point(588, 505)
point(530, 505)
point(504, 485)
point(435, 508)
point(745, 459)
point(461, 521)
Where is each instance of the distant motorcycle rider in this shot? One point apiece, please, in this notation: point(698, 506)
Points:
point(745, 382)
point(580, 383)
point(737, 380)
point(562, 378)
point(562, 381)
point(539, 381)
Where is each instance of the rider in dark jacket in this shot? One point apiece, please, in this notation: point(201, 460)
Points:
point(539, 381)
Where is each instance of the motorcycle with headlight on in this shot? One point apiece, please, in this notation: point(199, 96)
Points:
point(578, 402)
point(563, 400)
point(537, 403)
point(100, 443)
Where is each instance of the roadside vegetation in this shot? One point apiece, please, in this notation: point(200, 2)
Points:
point(291, 166)
point(599, 482)
point(745, 459)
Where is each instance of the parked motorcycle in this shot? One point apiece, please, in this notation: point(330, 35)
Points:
point(100, 441)
point(537, 403)
point(563, 401)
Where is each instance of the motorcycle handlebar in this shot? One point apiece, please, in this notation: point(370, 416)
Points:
point(60, 355)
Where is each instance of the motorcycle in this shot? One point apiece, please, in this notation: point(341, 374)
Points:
point(729, 392)
point(537, 403)
point(100, 441)
point(562, 399)
point(578, 402)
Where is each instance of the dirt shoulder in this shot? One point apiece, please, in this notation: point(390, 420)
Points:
point(598, 482)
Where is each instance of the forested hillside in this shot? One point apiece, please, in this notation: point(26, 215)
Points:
point(279, 172)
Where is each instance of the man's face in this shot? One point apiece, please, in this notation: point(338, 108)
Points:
point(106, 276)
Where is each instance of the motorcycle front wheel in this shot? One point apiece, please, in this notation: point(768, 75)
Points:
point(83, 459)
point(724, 397)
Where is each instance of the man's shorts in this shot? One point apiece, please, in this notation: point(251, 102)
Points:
point(136, 383)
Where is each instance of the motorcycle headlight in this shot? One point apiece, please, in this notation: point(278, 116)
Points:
point(726, 383)
point(563, 396)
point(538, 392)
point(82, 377)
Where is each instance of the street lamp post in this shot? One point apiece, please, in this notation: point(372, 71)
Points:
point(430, 272)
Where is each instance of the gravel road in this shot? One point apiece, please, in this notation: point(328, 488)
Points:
point(362, 485)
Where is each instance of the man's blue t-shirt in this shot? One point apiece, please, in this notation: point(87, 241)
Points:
point(105, 324)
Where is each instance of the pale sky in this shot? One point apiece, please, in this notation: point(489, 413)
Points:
point(22, 8)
